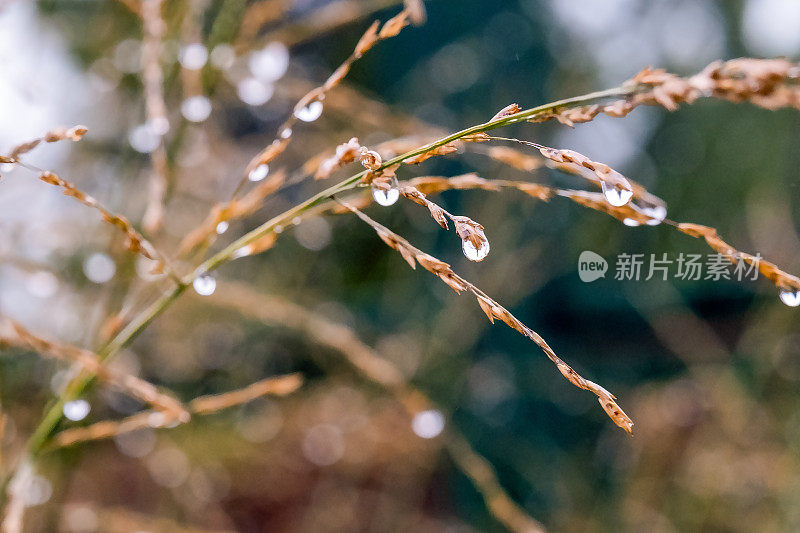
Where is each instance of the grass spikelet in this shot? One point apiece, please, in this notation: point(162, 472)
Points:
point(135, 241)
point(202, 405)
point(492, 308)
point(781, 279)
point(371, 37)
point(152, 79)
point(74, 134)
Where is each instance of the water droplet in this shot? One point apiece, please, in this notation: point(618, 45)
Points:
point(790, 297)
point(617, 195)
point(253, 92)
point(258, 173)
point(385, 197)
point(76, 409)
point(657, 214)
point(296, 221)
point(99, 268)
point(269, 63)
point(222, 227)
point(286, 133)
point(475, 254)
point(204, 285)
point(5, 168)
point(193, 56)
point(196, 108)
point(244, 251)
point(630, 222)
point(278, 229)
point(428, 424)
point(309, 113)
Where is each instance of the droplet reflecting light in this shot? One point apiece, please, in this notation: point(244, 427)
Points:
point(657, 214)
point(258, 173)
point(616, 195)
point(204, 285)
point(309, 113)
point(790, 298)
point(385, 197)
point(76, 409)
point(475, 254)
point(222, 227)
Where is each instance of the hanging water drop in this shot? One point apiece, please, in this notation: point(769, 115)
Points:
point(258, 173)
point(309, 113)
point(286, 133)
point(790, 297)
point(616, 195)
point(204, 285)
point(385, 197)
point(631, 222)
point(222, 227)
point(475, 254)
point(657, 214)
point(76, 409)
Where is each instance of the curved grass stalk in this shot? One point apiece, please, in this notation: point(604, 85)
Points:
point(54, 413)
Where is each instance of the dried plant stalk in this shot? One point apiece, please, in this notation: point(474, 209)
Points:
point(482, 474)
point(626, 213)
point(152, 78)
point(781, 279)
point(233, 210)
point(90, 362)
point(494, 311)
point(370, 38)
point(135, 240)
point(203, 405)
point(74, 134)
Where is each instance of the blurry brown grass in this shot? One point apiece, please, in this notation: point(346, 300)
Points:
point(770, 84)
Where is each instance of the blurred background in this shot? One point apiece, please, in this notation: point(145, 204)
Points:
point(708, 370)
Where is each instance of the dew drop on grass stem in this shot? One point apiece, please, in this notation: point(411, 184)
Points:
point(790, 297)
point(475, 254)
point(309, 113)
point(657, 214)
point(615, 194)
point(204, 285)
point(76, 409)
point(258, 173)
point(385, 197)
